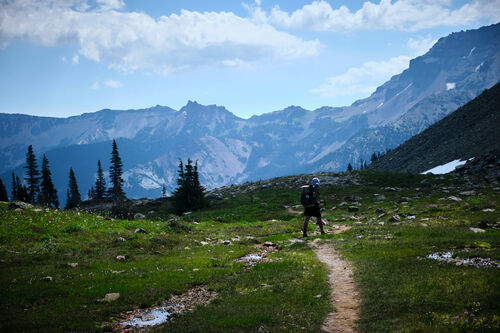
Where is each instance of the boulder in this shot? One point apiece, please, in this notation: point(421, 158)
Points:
point(140, 231)
point(19, 205)
point(139, 216)
point(394, 218)
point(352, 209)
point(454, 198)
point(214, 195)
point(111, 297)
point(476, 230)
point(352, 198)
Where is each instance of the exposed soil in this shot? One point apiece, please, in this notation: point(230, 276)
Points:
point(343, 290)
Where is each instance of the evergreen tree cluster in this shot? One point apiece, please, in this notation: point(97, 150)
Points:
point(189, 193)
point(39, 187)
point(363, 164)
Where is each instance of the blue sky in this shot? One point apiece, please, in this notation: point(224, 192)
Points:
point(67, 57)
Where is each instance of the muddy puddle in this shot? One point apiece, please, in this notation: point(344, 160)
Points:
point(447, 257)
point(141, 320)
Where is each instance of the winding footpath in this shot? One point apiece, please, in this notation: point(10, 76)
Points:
point(343, 290)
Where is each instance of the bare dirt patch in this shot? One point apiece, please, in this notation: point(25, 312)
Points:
point(343, 290)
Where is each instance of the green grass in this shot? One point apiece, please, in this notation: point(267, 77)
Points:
point(400, 292)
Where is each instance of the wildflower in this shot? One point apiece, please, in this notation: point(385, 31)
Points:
point(456, 317)
point(466, 313)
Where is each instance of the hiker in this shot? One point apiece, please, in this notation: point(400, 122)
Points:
point(310, 201)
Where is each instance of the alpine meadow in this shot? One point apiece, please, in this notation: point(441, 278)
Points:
point(350, 182)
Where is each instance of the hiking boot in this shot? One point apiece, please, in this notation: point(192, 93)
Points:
point(323, 232)
point(304, 234)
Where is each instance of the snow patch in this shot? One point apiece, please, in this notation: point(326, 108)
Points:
point(472, 50)
point(450, 85)
point(262, 162)
point(479, 66)
point(382, 103)
point(399, 93)
point(445, 168)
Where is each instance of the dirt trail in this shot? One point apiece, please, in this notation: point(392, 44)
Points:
point(343, 291)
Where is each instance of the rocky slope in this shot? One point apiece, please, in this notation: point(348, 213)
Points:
point(471, 131)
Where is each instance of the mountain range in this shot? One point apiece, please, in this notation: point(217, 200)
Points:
point(230, 149)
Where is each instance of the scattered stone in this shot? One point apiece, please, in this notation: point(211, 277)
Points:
point(488, 210)
point(214, 195)
point(235, 239)
point(227, 242)
point(379, 210)
point(468, 193)
point(121, 257)
point(203, 243)
point(19, 205)
point(72, 264)
point(111, 297)
point(121, 239)
point(381, 223)
point(147, 317)
point(352, 198)
point(47, 278)
point(151, 212)
point(404, 200)
point(476, 230)
point(454, 198)
point(352, 209)
point(139, 216)
point(425, 183)
point(140, 231)
point(117, 272)
point(395, 218)
point(270, 244)
point(358, 236)
point(187, 213)
point(343, 203)
point(411, 217)
point(380, 197)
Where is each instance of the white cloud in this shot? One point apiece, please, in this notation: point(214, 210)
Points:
point(75, 60)
point(134, 40)
point(364, 79)
point(95, 86)
point(409, 15)
point(420, 45)
point(113, 84)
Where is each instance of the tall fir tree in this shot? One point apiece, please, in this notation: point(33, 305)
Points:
point(349, 167)
point(14, 188)
point(99, 191)
point(32, 175)
point(3, 192)
point(72, 195)
point(115, 192)
point(22, 191)
point(189, 193)
point(48, 194)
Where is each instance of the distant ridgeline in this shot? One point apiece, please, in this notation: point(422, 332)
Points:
point(471, 131)
point(231, 150)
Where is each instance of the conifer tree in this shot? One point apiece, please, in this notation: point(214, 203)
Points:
point(22, 191)
point(164, 191)
point(14, 188)
point(374, 157)
point(349, 167)
point(72, 195)
point(189, 193)
point(99, 191)
point(48, 194)
point(3, 192)
point(115, 192)
point(32, 175)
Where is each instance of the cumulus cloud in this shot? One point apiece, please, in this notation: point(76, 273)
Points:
point(408, 15)
point(364, 79)
point(124, 40)
point(95, 86)
point(420, 45)
point(113, 84)
point(75, 60)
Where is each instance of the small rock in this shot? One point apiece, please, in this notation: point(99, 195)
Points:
point(359, 236)
point(488, 210)
point(343, 203)
point(139, 216)
point(187, 213)
point(476, 230)
point(404, 200)
point(270, 244)
point(147, 317)
point(72, 264)
point(381, 223)
point(318, 296)
point(47, 278)
point(352, 198)
point(111, 297)
point(468, 193)
point(117, 272)
point(352, 209)
point(227, 242)
point(203, 243)
point(379, 210)
point(380, 197)
point(140, 231)
point(454, 198)
point(425, 183)
point(411, 217)
point(395, 218)
point(121, 239)
point(121, 257)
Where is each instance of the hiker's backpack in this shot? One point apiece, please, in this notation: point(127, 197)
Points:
point(307, 196)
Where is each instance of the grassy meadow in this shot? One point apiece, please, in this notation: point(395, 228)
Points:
point(401, 290)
